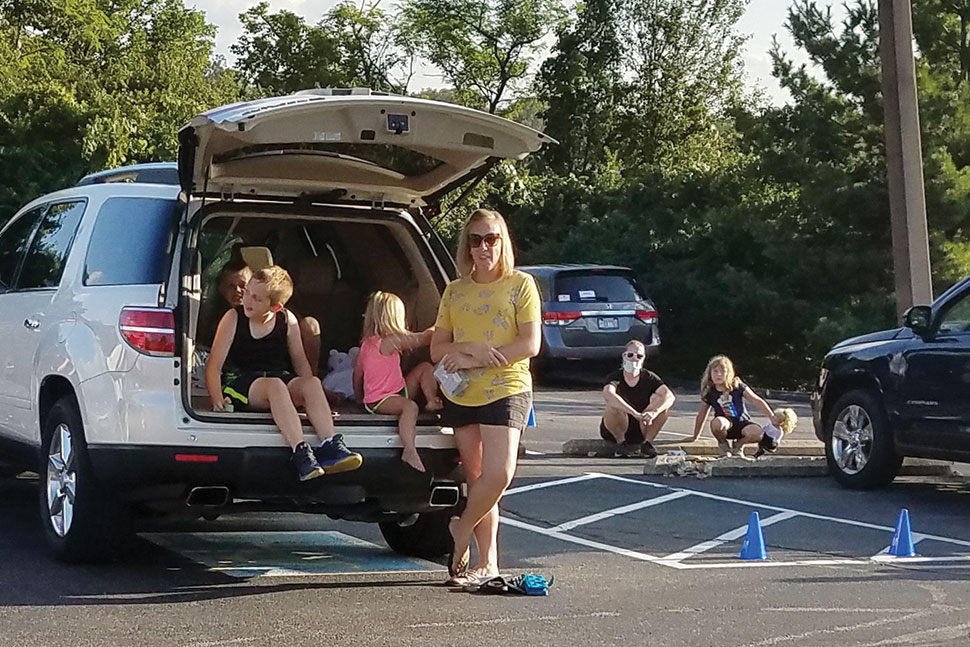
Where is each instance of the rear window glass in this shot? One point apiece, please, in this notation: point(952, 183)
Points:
point(595, 287)
point(130, 242)
point(401, 160)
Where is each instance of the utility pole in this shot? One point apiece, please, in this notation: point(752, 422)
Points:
point(904, 157)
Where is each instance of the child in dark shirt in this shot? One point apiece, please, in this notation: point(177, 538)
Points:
point(259, 344)
point(723, 391)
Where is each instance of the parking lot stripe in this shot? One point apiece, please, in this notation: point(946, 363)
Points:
point(589, 543)
point(606, 514)
point(545, 484)
point(730, 535)
point(765, 506)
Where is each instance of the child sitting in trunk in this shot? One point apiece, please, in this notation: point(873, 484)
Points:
point(378, 379)
point(259, 344)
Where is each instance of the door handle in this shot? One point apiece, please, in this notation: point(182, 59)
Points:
point(31, 324)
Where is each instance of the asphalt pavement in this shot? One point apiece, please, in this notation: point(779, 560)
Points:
point(635, 560)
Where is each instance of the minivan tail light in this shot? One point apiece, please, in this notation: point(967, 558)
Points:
point(649, 316)
point(149, 330)
point(560, 318)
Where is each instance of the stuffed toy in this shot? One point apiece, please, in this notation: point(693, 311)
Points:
point(340, 372)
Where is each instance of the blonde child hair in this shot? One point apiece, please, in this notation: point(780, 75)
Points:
point(731, 380)
point(787, 419)
point(384, 315)
point(506, 261)
point(279, 285)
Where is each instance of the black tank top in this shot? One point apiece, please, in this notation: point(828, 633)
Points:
point(269, 354)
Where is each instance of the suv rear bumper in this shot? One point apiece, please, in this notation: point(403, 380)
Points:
point(263, 476)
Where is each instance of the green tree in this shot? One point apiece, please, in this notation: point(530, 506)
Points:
point(483, 47)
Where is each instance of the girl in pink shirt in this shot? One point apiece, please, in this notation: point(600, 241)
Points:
point(378, 380)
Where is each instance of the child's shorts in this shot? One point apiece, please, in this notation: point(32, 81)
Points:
point(236, 385)
point(372, 407)
point(737, 427)
point(767, 443)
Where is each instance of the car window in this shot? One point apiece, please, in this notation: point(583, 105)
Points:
point(13, 245)
point(956, 318)
point(48, 251)
point(143, 228)
point(595, 286)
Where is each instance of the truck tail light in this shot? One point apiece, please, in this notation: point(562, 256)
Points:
point(149, 330)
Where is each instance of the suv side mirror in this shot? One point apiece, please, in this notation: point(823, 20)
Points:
point(918, 319)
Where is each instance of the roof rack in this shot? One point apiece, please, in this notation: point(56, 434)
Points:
point(150, 173)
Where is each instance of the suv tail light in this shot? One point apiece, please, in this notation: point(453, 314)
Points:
point(559, 318)
point(649, 316)
point(149, 330)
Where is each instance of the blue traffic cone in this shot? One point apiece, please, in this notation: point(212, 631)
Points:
point(902, 543)
point(754, 541)
point(532, 417)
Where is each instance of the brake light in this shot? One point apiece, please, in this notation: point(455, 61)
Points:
point(649, 316)
point(149, 330)
point(560, 318)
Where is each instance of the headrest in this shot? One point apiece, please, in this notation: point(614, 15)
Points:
point(256, 257)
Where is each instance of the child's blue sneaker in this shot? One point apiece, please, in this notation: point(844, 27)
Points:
point(306, 465)
point(333, 456)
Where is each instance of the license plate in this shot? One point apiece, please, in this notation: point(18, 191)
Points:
point(608, 323)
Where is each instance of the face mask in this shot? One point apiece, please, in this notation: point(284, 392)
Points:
point(632, 366)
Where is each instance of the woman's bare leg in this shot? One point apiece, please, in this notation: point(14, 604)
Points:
point(469, 444)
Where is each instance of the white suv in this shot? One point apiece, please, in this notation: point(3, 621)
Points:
point(102, 284)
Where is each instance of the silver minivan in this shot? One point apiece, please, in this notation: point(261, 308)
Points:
point(102, 287)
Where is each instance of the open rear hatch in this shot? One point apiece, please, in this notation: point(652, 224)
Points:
point(353, 146)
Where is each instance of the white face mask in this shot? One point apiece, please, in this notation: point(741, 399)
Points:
point(632, 366)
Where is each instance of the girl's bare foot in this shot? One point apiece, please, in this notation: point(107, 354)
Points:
point(413, 459)
point(434, 404)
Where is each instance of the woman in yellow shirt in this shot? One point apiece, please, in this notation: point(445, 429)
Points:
point(487, 329)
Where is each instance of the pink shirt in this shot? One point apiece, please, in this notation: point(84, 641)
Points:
point(382, 373)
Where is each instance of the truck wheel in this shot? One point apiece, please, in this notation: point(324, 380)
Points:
point(428, 537)
point(81, 522)
point(859, 446)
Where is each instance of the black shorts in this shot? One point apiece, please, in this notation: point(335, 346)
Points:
point(511, 411)
point(236, 385)
point(737, 426)
point(632, 436)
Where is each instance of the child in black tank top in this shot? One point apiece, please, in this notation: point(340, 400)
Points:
point(260, 347)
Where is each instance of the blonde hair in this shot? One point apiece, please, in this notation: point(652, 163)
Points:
point(639, 344)
point(384, 315)
point(279, 285)
point(731, 380)
point(787, 419)
point(506, 260)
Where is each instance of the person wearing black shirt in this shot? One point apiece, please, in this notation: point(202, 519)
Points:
point(637, 404)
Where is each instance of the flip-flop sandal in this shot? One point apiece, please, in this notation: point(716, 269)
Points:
point(489, 585)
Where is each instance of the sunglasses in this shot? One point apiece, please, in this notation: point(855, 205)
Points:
point(490, 240)
point(631, 355)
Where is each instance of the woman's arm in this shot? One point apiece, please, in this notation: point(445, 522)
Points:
point(526, 344)
point(465, 354)
point(294, 342)
point(221, 343)
point(614, 400)
point(667, 401)
point(699, 420)
point(759, 401)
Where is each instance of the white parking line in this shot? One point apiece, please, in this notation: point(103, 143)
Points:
point(545, 484)
point(606, 514)
point(675, 560)
point(730, 535)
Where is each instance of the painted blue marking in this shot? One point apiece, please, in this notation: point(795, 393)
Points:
point(286, 554)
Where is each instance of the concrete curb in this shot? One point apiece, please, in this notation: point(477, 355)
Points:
point(771, 466)
point(597, 447)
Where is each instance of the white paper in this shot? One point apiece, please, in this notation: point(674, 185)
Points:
point(587, 294)
point(451, 383)
point(564, 297)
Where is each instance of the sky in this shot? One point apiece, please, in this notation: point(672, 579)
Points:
point(762, 20)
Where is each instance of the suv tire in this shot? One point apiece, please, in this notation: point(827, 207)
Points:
point(81, 522)
point(428, 537)
point(859, 446)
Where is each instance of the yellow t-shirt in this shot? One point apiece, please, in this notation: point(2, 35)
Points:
point(490, 313)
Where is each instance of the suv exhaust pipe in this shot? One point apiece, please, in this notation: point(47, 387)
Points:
point(444, 496)
point(210, 496)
